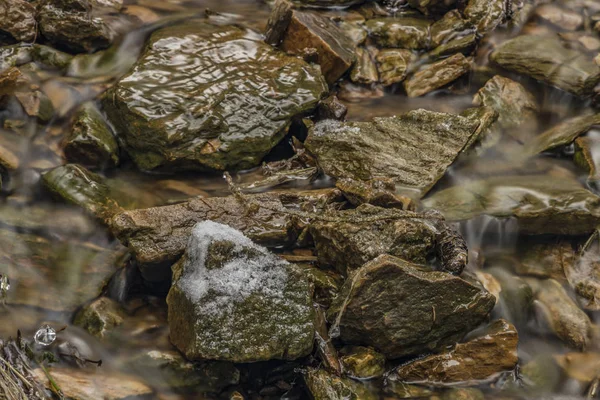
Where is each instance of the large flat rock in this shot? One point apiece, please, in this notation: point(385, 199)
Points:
point(209, 97)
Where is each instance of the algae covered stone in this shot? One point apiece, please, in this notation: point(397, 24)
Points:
point(414, 149)
point(214, 98)
point(401, 309)
point(233, 300)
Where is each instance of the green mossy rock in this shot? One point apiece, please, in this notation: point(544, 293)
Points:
point(100, 317)
point(546, 59)
point(226, 110)
point(325, 386)
point(413, 149)
point(91, 141)
point(402, 32)
point(362, 362)
point(18, 20)
point(572, 211)
point(401, 309)
point(76, 185)
point(480, 359)
point(233, 300)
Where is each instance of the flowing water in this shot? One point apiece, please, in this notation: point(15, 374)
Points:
point(46, 247)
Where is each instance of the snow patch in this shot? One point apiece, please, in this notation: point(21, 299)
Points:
point(332, 126)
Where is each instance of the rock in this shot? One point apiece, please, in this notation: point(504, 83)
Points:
point(327, 284)
point(100, 385)
point(516, 297)
point(463, 394)
point(347, 239)
point(486, 135)
point(377, 192)
point(76, 185)
point(545, 258)
point(431, 6)
point(307, 30)
point(51, 57)
point(91, 141)
point(463, 45)
point(278, 21)
point(560, 17)
point(213, 124)
point(328, 3)
point(332, 108)
point(157, 236)
point(365, 70)
point(583, 274)
point(583, 367)
point(561, 134)
point(325, 386)
point(437, 75)
point(20, 83)
point(402, 32)
point(560, 314)
point(233, 300)
point(401, 390)
point(362, 362)
point(540, 375)
point(18, 20)
point(392, 65)
point(486, 15)
point(54, 273)
point(14, 56)
point(481, 359)
point(572, 211)
point(413, 149)
point(546, 59)
point(451, 26)
point(373, 308)
point(180, 374)
point(325, 350)
point(80, 25)
point(100, 317)
point(587, 158)
point(513, 103)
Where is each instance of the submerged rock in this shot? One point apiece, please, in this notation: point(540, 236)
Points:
point(101, 385)
point(572, 211)
point(560, 17)
point(194, 121)
point(393, 64)
point(76, 185)
point(157, 236)
point(437, 75)
point(486, 15)
point(80, 25)
point(18, 20)
point(402, 32)
point(233, 300)
point(557, 312)
point(545, 258)
point(513, 103)
point(54, 274)
point(348, 239)
point(100, 317)
point(515, 298)
point(562, 134)
point(91, 141)
point(301, 32)
point(362, 362)
point(546, 59)
point(482, 358)
point(414, 149)
point(325, 386)
point(374, 309)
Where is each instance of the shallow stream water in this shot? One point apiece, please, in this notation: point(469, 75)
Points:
point(62, 241)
